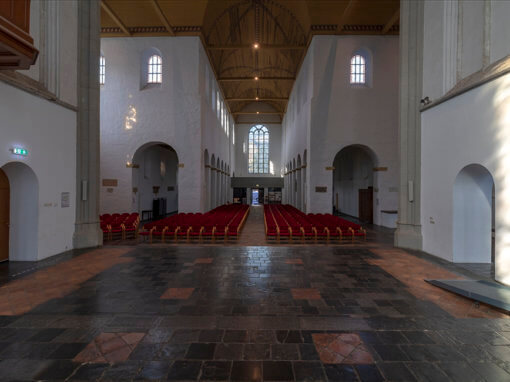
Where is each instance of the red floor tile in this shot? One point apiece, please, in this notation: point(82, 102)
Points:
point(178, 293)
point(305, 294)
point(109, 347)
point(334, 348)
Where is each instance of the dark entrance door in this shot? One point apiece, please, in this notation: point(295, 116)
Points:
point(366, 205)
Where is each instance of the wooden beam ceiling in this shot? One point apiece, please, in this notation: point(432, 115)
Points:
point(163, 18)
point(229, 29)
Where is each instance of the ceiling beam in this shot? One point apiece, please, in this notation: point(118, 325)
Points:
point(345, 14)
point(261, 47)
point(114, 17)
point(240, 79)
point(257, 100)
point(257, 122)
point(257, 113)
point(394, 18)
point(163, 17)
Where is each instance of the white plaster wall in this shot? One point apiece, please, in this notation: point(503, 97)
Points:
point(48, 132)
point(275, 143)
point(342, 115)
point(433, 40)
point(215, 138)
point(472, 31)
point(168, 113)
point(499, 29)
point(470, 128)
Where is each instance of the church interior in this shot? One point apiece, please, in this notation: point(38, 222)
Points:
point(254, 190)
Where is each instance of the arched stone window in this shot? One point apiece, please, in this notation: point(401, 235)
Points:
point(155, 70)
point(258, 150)
point(102, 70)
point(358, 69)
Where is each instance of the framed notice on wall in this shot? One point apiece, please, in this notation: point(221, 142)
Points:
point(64, 199)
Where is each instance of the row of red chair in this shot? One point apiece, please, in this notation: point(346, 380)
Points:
point(223, 222)
point(287, 222)
point(119, 224)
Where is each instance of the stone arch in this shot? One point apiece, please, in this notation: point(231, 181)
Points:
point(24, 211)
point(473, 211)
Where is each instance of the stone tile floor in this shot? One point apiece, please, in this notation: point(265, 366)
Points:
point(304, 313)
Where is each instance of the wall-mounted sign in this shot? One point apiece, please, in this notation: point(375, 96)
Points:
point(321, 189)
point(19, 151)
point(181, 165)
point(380, 168)
point(330, 168)
point(110, 182)
point(64, 199)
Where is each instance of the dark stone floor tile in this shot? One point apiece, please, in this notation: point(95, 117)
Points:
point(284, 352)
point(200, 351)
point(262, 336)
point(308, 371)
point(396, 371)
point(22, 369)
point(210, 336)
point(67, 351)
point(392, 337)
point(157, 335)
point(236, 336)
point(490, 371)
point(60, 369)
point(185, 335)
point(154, 370)
point(308, 352)
point(170, 352)
point(229, 351)
point(145, 352)
point(340, 372)
point(246, 371)
point(216, 371)
point(369, 373)
point(459, 371)
point(184, 371)
point(90, 372)
point(418, 337)
point(122, 371)
point(390, 353)
point(256, 352)
point(46, 335)
point(427, 372)
point(289, 336)
point(277, 371)
point(419, 353)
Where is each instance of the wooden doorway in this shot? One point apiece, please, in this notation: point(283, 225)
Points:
point(4, 216)
point(366, 203)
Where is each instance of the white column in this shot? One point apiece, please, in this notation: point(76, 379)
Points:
point(87, 232)
point(408, 234)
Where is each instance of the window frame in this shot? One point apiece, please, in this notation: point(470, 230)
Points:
point(102, 70)
point(358, 70)
point(258, 157)
point(154, 70)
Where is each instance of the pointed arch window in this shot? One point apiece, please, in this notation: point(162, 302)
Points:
point(358, 69)
point(102, 70)
point(258, 150)
point(155, 70)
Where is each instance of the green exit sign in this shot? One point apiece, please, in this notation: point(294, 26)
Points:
point(19, 151)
